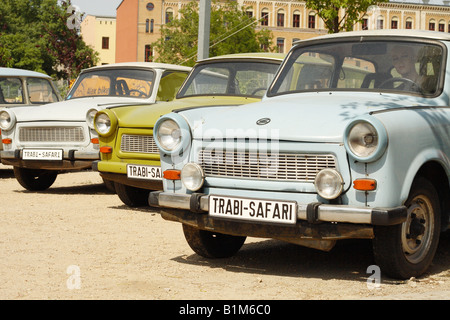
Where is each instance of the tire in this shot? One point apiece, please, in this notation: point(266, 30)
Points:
point(407, 250)
point(35, 179)
point(109, 185)
point(212, 244)
point(132, 196)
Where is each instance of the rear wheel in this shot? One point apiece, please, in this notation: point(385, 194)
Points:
point(35, 179)
point(132, 196)
point(212, 244)
point(407, 250)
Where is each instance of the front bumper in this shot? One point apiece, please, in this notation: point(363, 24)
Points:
point(311, 213)
point(72, 160)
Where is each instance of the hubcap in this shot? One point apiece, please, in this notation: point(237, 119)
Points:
point(417, 230)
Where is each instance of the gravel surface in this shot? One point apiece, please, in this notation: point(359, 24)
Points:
point(77, 240)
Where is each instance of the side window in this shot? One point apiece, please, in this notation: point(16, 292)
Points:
point(169, 85)
point(209, 81)
point(11, 91)
point(41, 91)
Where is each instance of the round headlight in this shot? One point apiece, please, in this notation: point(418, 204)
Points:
point(192, 176)
point(90, 115)
point(366, 139)
point(7, 120)
point(363, 139)
point(102, 124)
point(169, 135)
point(329, 184)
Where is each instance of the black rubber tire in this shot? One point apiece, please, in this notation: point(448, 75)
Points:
point(35, 179)
point(212, 244)
point(407, 250)
point(132, 196)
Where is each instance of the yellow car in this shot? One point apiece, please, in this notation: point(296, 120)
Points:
point(129, 156)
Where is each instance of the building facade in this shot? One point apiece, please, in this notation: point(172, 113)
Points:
point(100, 34)
point(139, 21)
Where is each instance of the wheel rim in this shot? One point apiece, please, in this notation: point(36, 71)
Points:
point(417, 230)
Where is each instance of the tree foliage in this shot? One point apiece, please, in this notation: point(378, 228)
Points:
point(34, 35)
point(231, 31)
point(329, 11)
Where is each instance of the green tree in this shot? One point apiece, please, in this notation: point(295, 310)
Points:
point(329, 11)
point(231, 31)
point(34, 35)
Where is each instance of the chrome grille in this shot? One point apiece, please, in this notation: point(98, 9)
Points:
point(276, 166)
point(138, 144)
point(51, 134)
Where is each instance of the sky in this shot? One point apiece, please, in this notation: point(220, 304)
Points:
point(98, 7)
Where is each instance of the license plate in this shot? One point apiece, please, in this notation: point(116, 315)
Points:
point(144, 172)
point(253, 209)
point(42, 154)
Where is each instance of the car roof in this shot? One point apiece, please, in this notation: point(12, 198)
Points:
point(253, 55)
point(150, 65)
point(21, 73)
point(425, 34)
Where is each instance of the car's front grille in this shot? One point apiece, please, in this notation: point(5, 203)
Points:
point(276, 166)
point(138, 144)
point(51, 134)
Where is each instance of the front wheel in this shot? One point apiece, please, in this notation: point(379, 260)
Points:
point(35, 179)
point(212, 244)
point(131, 196)
point(407, 250)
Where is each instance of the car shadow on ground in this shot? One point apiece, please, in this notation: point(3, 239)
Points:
point(348, 260)
point(95, 189)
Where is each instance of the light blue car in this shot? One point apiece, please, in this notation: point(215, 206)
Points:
point(352, 140)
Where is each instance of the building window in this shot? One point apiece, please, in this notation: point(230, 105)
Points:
point(280, 45)
point(312, 20)
point(249, 13)
point(152, 25)
point(432, 25)
point(169, 15)
point(265, 17)
point(296, 20)
point(280, 18)
point(408, 24)
point(441, 26)
point(394, 23)
point(380, 22)
point(365, 24)
point(105, 42)
point(147, 25)
point(148, 53)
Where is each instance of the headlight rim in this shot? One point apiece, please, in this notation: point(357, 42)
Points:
point(341, 184)
point(199, 168)
point(185, 131)
point(12, 121)
point(381, 136)
point(113, 123)
point(91, 124)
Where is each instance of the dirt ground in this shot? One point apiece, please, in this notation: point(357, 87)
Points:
point(78, 241)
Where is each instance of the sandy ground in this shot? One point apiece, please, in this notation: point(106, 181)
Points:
point(78, 241)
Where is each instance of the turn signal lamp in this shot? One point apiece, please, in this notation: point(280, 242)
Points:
point(172, 174)
point(7, 141)
point(106, 150)
point(365, 184)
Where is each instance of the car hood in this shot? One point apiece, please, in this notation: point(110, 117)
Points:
point(69, 110)
point(315, 117)
point(145, 117)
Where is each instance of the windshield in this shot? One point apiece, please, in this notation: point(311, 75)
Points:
point(113, 82)
point(411, 67)
point(233, 78)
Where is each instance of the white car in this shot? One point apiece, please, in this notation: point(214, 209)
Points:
point(42, 142)
point(20, 87)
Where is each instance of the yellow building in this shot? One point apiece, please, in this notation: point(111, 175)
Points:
point(139, 21)
point(100, 33)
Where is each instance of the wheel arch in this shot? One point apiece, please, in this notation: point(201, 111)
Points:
point(437, 175)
